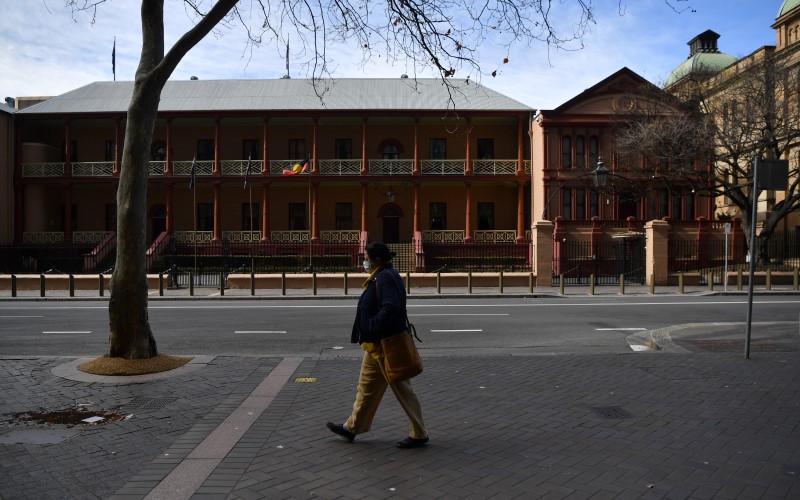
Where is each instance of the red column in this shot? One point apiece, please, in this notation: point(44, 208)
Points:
point(364, 160)
point(416, 167)
point(265, 212)
point(314, 203)
point(364, 225)
point(168, 162)
point(520, 212)
point(468, 213)
point(416, 208)
point(67, 148)
point(520, 145)
point(170, 197)
point(217, 236)
point(265, 155)
point(468, 152)
point(117, 146)
point(315, 163)
point(217, 136)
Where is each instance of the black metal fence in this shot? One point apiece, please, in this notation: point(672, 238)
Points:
point(709, 257)
point(477, 257)
point(42, 259)
point(577, 261)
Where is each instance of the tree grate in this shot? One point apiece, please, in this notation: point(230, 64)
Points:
point(612, 412)
point(146, 404)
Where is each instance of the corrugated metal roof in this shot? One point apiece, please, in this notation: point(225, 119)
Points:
point(286, 94)
point(7, 109)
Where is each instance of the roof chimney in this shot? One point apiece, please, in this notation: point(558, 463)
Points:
point(10, 102)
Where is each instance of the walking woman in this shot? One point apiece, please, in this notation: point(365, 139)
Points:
point(381, 313)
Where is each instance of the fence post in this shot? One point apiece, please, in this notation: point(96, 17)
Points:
point(652, 284)
point(796, 277)
point(314, 283)
point(41, 285)
point(345, 282)
point(161, 284)
point(530, 282)
point(438, 283)
point(500, 279)
point(622, 284)
point(408, 282)
point(14, 284)
point(191, 283)
point(252, 282)
point(221, 283)
point(283, 283)
point(769, 278)
point(680, 283)
point(591, 284)
point(469, 282)
point(561, 284)
point(710, 278)
point(71, 285)
point(739, 280)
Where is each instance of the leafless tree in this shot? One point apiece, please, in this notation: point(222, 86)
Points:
point(719, 127)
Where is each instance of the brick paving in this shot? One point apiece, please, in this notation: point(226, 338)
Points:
point(688, 424)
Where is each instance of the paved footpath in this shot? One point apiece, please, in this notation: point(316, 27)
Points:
point(662, 424)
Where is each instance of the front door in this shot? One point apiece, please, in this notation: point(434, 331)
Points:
point(159, 221)
point(391, 228)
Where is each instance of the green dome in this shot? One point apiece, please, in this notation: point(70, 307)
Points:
point(702, 63)
point(705, 59)
point(787, 6)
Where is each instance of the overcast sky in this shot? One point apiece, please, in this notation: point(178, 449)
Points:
point(46, 51)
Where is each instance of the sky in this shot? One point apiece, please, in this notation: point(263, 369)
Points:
point(46, 50)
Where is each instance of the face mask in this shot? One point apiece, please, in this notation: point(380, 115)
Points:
point(367, 266)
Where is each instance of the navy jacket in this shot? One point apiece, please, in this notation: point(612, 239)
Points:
point(381, 313)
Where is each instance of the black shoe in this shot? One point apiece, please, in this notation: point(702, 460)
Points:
point(340, 430)
point(410, 442)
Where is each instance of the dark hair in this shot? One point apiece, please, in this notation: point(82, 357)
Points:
point(379, 250)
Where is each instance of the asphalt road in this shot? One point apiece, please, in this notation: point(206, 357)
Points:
point(313, 326)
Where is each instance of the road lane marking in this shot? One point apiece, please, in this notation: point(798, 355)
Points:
point(447, 331)
point(620, 329)
point(21, 316)
point(259, 331)
point(462, 314)
point(72, 331)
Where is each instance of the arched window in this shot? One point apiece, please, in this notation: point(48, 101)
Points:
point(390, 152)
point(580, 152)
point(159, 151)
point(566, 152)
point(594, 146)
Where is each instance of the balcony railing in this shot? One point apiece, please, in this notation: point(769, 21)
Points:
point(205, 167)
point(93, 169)
point(494, 167)
point(239, 167)
point(43, 169)
point(443, 167)
point(391, 167)
point(183, 168)
point(340, 167)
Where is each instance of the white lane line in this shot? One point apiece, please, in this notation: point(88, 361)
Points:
point(65, 331)
point(620, 329)
point(21, 316)
point(463, 314)
point(445, 331)
point(259, 331)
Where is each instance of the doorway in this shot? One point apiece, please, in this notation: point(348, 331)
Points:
point(158, 217)
point(391, 214)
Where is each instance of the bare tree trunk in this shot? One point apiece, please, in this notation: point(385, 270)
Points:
point(130, 335)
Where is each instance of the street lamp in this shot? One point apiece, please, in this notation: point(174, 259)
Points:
point(600, 174)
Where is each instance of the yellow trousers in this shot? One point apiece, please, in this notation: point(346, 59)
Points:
point(372, 385)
